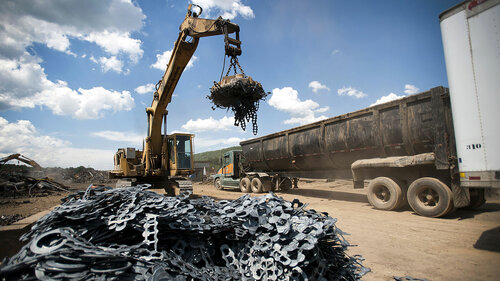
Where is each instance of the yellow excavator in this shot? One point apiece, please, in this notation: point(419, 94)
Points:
point(167, 160)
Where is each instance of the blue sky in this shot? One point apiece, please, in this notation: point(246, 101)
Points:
point(75, 76)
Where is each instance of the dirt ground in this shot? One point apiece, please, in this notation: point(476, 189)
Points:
point(462, 246)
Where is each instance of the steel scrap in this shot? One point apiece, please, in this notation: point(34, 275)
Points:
point(136, 234)
point(242, 96)
point(19, 186)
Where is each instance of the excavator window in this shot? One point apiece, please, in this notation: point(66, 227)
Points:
point(184, 152)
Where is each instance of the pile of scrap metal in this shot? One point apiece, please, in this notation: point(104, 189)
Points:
point(10, 219)
point(135, 234)
point(20, 186)
point(84, 175)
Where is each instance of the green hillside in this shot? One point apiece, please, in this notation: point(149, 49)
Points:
point(213, 156)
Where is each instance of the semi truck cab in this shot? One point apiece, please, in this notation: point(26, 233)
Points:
point(229, 173)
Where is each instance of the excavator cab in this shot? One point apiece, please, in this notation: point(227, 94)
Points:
point(180, 154)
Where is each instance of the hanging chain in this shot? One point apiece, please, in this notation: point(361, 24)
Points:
point(244, 91)
point(232, 65)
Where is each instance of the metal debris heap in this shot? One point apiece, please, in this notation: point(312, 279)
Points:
point(136, 234)
point(241, 94)
point(19, 186)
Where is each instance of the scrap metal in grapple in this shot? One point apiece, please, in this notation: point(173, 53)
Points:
point(241, 94)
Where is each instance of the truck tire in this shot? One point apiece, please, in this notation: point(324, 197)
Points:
point(404, 190)
point(384, 194)
point(430, 197)
point(245, 185)
point(218, 184)
point(256, 185)
point(476, 198)
point(286, 184)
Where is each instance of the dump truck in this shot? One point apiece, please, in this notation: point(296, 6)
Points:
point(436, 150)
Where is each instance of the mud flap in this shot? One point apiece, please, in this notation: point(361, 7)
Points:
point(266, 185)
point(461, 196)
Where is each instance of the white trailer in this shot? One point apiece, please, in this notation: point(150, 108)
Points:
point(471, 41)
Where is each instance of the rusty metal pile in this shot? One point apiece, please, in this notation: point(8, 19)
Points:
point(10, 219)
point(19, 186)
point(136, 234)
point(242, 96)
point(84, 175)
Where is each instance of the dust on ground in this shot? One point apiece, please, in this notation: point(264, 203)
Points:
point(462, 246)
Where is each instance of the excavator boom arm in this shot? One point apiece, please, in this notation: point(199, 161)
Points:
point(21, 158)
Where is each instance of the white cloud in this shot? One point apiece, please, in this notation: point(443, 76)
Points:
point(336, 51)
point(86, 103)
point(128, 137)
point(163, 59)
point(302, 112)
point(228, 9)
point(111, 63)
point(316, 86)
point(204, 144)
point(388, 98)
point(46, 150)
point(62, 100)
point(145, 89)
point(210, 124)
point(306, 119)
point(107, 23)
point(116, 43)
point(411, 89)
point(23, 81)
point(351, 92)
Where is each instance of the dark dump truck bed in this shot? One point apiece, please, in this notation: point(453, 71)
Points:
point(417, 124)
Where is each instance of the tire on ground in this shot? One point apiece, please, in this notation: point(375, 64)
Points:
point(404, 190)
point(256, 185)
point(430, 197)
point(285, 184)
point(384, 194)
point(245, 185)
point(477, 198)
point(218, 184)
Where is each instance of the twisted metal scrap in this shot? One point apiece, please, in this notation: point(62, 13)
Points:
point(242, 96)
point(135, 234)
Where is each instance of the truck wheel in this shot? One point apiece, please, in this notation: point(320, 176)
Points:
point(384, 194)
point(476, 198)
point(245, 185)
point(430, 197)
point(286, 184)
point(404, 190)
point(257, 185)
point(217, 184)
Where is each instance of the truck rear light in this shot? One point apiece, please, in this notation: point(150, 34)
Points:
point(474, 178)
